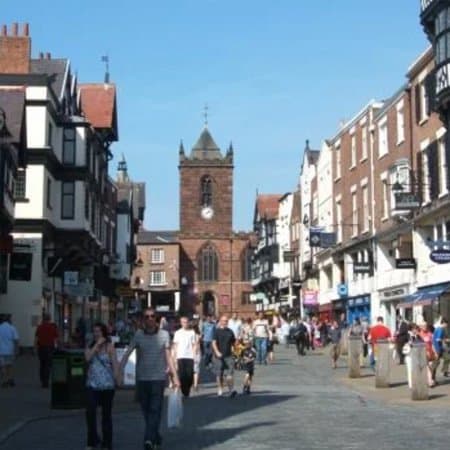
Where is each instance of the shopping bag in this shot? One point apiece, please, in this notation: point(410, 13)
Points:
point(174, 409)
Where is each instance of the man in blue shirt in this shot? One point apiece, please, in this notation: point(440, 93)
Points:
point(439, 338)
point(207, 336)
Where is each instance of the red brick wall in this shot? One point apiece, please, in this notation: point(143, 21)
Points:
point(396, 152)
point(190, 200)
point(226, 285)
point(15, 52)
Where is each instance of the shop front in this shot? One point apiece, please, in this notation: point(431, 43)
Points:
point(428, 303)
point(325, 312)
point(390, 299)
point(339, 310)
point(358, 308)
point(310, 302)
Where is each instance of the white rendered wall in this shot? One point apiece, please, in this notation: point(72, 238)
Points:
point(24, 298)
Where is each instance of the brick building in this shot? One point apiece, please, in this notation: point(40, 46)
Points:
point(156, 272)
point(214, 260)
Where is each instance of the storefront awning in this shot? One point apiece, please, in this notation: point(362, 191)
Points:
point(425, 296)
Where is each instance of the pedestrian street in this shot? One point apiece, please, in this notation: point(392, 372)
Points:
point(295, 404)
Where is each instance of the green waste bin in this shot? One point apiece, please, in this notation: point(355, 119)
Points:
point(68, 379)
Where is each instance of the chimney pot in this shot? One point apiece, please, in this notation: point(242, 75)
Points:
point(26, 29)
point(4, 30)
point(48, 55)
point(15, 29)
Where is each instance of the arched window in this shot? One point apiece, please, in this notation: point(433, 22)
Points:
point(208, 264)
point(246, 264)
point(206, 191)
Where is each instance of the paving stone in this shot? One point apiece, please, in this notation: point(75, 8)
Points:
point(297, 404)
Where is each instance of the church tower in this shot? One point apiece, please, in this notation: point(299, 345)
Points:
point(206, 188)
point(214, 260)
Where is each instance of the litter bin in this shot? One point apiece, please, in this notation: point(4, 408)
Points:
point(68, 379)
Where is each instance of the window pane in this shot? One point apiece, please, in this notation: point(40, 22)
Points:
point(68, 188)
point(67, 206)
point(69, 133)
point(69, 152)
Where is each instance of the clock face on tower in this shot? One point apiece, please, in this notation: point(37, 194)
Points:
point(207, 213)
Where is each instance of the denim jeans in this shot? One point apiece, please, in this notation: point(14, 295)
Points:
point(208, 354)
point(261, 349)
point(104, 399)
point(151, 398)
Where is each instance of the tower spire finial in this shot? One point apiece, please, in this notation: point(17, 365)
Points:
point(205, 114)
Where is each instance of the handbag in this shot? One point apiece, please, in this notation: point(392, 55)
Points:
point(406, 349)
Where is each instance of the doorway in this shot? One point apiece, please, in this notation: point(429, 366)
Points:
point(209, 304)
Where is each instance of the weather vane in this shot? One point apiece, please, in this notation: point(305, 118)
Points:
point(205, 114)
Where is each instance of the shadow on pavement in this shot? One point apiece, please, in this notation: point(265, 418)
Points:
point(209, 420)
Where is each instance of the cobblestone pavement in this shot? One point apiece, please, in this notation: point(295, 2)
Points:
point(296, 404)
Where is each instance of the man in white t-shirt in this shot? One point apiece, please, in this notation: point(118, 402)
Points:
point(9, 347)
point(184, 349)
point(262, 334)
point(235, 325)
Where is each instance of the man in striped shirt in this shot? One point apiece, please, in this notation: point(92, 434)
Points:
point(153, 360)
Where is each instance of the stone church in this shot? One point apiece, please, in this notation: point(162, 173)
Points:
point(215, 261)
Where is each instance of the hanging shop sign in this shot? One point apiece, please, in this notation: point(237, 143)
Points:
point(319, 238)
point(310, 298)
point(441, 256)
point(405, 263)
point(406, 201)
point(362, 267)
point(342, 290)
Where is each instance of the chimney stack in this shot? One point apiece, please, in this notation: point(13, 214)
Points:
point(41, 55)
point(48, 55)
point(15, 50)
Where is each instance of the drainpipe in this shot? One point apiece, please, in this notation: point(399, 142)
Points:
point(373, 202)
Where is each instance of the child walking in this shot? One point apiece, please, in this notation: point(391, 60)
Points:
point(248, 358)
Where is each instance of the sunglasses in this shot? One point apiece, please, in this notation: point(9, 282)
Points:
point(150, 316)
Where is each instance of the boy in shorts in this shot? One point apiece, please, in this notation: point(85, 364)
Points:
point(248, 358)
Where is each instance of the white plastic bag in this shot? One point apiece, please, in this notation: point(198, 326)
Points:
point(174, 409)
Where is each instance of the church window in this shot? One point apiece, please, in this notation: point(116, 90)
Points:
point(206, 191)
point(246, 262)
point(208, 265)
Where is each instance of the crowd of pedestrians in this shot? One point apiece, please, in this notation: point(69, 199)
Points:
point(173, 354)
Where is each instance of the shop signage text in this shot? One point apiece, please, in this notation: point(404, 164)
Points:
point(362, 267)
point(393, 293)
point(310, 297)
point(405, 263)
point(406, 200)
point(441, 256)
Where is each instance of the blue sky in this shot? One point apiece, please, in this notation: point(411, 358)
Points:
point(273, 74)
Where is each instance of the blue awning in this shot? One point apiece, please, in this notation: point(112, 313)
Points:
point(425, 296)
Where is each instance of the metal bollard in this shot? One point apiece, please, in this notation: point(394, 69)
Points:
point(383, 365)
point(419, 372)
point(354, 355)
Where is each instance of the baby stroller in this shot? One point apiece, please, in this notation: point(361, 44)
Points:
point(237, 355)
